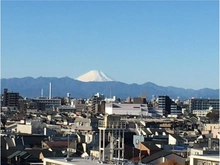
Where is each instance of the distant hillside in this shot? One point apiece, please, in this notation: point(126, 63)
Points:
point(31, 87)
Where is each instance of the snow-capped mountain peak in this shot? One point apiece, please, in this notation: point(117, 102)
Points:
point(95, 76)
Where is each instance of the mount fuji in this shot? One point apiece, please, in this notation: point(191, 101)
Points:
point(94, 76)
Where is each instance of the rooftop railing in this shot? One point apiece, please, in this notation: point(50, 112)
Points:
point(112, 124)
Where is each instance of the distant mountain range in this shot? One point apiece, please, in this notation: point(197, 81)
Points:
point(31, 87)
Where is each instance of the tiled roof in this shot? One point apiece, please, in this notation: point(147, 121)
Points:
point(153, 130)
point(14, 154)
point(48, 154)
point(177, 137)
point(57, 144)
point(170, 162)
point(146, 131)
point(9, 141)
point(156, 156)
point(150, 146)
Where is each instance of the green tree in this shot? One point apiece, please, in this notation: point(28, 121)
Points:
point(213, 116)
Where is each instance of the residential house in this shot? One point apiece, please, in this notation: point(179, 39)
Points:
point(133, 154)
point(149, 147)
point(210, 127)
point(161, 157)
point(24, 157)
point(85, 124)
point(174, 139)
point(204, 159)
point(216, 133)
point(30, 141)
point(170, 162)
point(50, 145)
point(50, 154)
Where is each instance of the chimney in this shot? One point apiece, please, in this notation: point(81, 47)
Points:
point(42, 93)
point(50, 90)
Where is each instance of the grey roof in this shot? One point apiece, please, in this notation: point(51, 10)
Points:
point(18, 141)
point(9, 152)
point(26, 157)
point(13, 155)
point(33, 139)
point(153, 130)
point(156, 156)
point(48, 154)
point(200, 145)
point(177, 137)
point(150, 146)
point(146, 131)
point(190, 138)
point(23, 153)
point(9, 141)
point(71, 137)
point(80, 119)
point(34, 153)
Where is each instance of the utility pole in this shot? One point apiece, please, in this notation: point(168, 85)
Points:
point(133, 153)
point(68, 152)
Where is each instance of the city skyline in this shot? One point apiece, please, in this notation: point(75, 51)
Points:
point(167, 43)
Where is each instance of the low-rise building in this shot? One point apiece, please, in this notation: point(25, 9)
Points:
point(161, 157)
point(175, 139)
point(126, 109)
point(210, 127)
point(24, 128)
point(202, 113)
point(149, 147)
point(47, 104)
point(204, 159)
point(71, 161)
point(85, 124)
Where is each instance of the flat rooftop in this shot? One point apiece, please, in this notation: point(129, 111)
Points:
point(207, 157)
point(74, 161)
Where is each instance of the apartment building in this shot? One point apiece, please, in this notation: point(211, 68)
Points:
point(10, 99)
point(203, 104)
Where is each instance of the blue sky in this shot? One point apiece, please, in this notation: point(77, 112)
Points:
point(170, 43)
